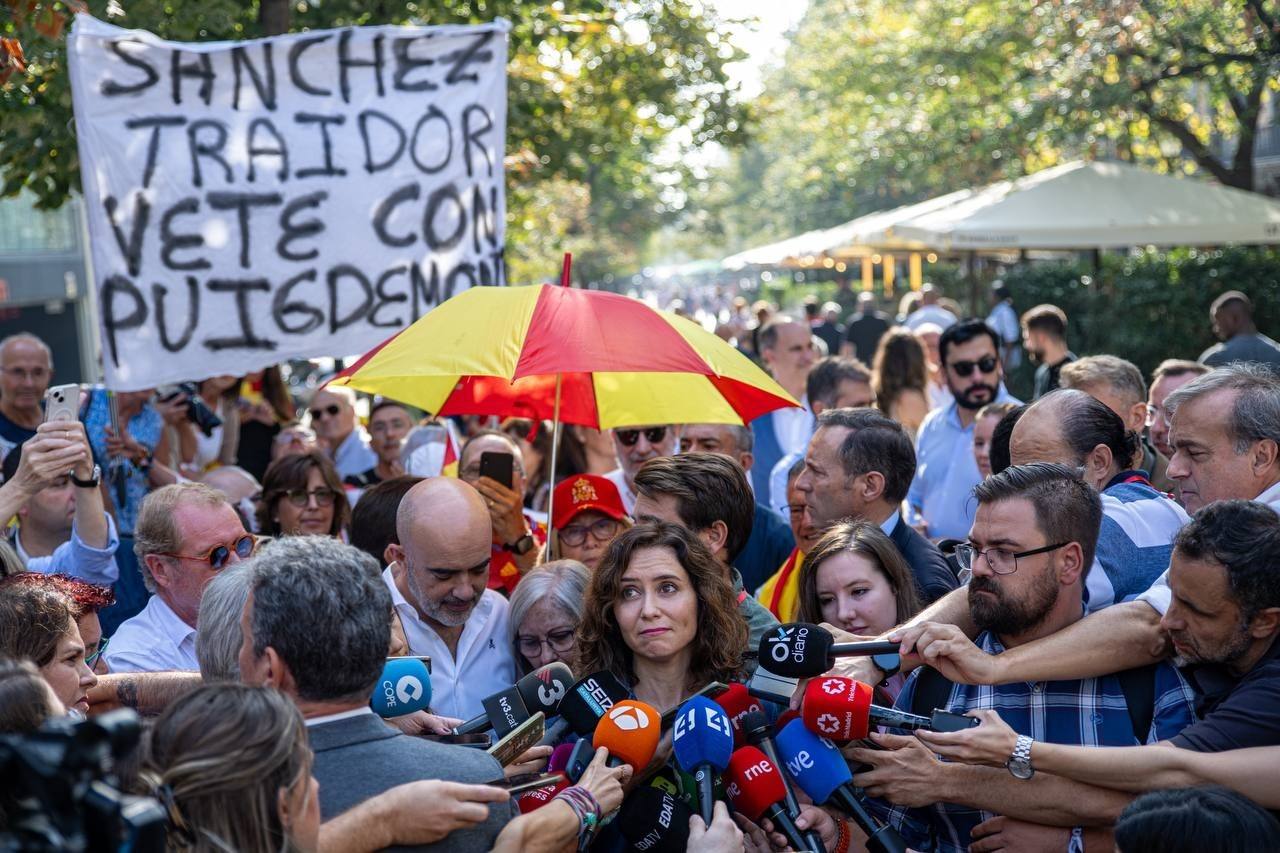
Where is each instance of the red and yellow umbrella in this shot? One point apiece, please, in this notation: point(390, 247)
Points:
point(614, 361)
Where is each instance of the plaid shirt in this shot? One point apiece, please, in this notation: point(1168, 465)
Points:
point(1086, 712)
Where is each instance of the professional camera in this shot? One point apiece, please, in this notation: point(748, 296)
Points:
point(198, 412)
point(59, 791)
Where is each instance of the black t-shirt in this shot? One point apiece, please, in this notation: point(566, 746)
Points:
point(11, 435)
point(1047, 375)
point(1231, 712)
point(364, 480)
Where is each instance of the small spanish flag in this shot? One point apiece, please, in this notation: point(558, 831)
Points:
point(449, 467)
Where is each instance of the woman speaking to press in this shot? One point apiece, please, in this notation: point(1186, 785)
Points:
point(661, 614)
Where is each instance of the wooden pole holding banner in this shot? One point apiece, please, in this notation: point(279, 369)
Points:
point(552, 543)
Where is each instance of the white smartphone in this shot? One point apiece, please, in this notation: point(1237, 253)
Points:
point(62, 403)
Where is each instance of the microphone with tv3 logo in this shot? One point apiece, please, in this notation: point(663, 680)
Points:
point(803, 650)
point(589, 699)
point(630, 731)
point(823, 774)
point(758, 790)
point(403, 687)
point(703, 741)
point(737, 702)
point(545, 688)
point(841, 709)
point(508, 708)
point(654, 821)
point(757, 732)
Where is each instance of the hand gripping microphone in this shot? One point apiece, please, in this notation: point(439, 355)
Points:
point(803, 650)
point(630, 731)
point(589, 699)
point(823, 774)
point(703, 742)
point(534, 800)
point(737, 702)
point(403, 687)
point(841, 709)
point(758, 790)
point(654, 821)
point(756, 730)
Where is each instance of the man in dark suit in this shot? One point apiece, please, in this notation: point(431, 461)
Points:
point(865, 329)
point(317, 627)
point(859, 465)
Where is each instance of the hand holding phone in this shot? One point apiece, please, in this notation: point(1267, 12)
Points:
point(499, 467)
point(62, 403)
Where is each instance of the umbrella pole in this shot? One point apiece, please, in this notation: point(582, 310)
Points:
point(552, 543)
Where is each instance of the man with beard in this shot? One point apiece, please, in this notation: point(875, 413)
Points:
point(1030, 547)
point(946, 471)
point(1044, 334)
point(438, 581)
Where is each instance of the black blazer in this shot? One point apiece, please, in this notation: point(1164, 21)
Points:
point(934, 578)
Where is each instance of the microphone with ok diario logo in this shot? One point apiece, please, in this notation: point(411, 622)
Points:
point(403, 688)
point(805, 650)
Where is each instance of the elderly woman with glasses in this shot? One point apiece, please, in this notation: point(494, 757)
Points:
point(588, 513)
point(303, 496)
point(545, 611)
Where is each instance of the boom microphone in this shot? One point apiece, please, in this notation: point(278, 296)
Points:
point(737, 702)
point(823, 774)
point(630, 731)
point(403, 687)
point(758, 790)
point(804, 650)
point(841, 709)
point(589, 699)
point(757, 732)
point(703, 742)
point(654, 821)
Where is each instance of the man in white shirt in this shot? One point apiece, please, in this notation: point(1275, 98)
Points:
point(635, 446)
point(438, 581)
point(787, 349)
point(185, 534)
point(333, 417)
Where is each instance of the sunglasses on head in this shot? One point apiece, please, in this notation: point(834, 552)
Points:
point(986, 364)
point(629, 437)
point(331, 410)
point(218, 555)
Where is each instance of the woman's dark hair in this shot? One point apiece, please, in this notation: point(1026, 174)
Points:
point(721, 634)
point(1211, 819)
point(276, 395)
point(373, 521)
point(289, 473)
point(33, 618)
point(24, 697)
point(868, 540)
point(86, 598)
point(900, 364)
point(998, 452)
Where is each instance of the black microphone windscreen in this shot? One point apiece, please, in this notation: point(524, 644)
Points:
point(589, 699)
point(545, 688)
point(654, 821)
point(796, 650)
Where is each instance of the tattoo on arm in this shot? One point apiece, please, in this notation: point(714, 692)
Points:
point(127, 691)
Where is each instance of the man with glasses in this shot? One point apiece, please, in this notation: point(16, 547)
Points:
point(333, 417)
point(294, 439)
point(26, 367)
point(635, 446)
point(946, 471)
point(1029, 550)
point(185, 534)
point(438, 580)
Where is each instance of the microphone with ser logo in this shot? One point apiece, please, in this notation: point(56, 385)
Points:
point(589, 699)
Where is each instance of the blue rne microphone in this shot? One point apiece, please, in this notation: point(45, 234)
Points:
point(403, 687)
point(703, 743)
point(822, 773)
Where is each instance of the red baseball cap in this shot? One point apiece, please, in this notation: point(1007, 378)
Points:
point(582, 492)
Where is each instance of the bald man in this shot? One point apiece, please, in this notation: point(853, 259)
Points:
point(438, 581)
point(26, 366)
point(1232, 318)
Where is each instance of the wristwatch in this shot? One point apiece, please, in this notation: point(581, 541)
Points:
point(92, 483)
point(1019, 763)
point(521, 546)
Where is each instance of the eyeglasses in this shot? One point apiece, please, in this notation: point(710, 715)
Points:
point(986, 364)
point(331, 410)
point(560, 641)
point(629, 437)
point(218, 555)
point(601, 530)
point(300, 497)
point(1000, 561)
point(92, 658)
point(298, 436)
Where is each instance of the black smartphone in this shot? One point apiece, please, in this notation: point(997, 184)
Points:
point(499, 467)
point(529, 782)
point(946, 721)
point(479, 741)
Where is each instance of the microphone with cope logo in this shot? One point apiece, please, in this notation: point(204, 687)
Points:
point(823, 774)
point(589, 699)
point(654, 821)
point(403, 688)
point(541, 690)
point(630, 731)
point(841, 709)
point(758, 790)
point(703, 742)
point(804, 650)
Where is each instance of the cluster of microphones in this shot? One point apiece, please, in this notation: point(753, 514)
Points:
point(724, 745)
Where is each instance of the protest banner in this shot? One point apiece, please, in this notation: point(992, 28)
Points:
point(289, 197)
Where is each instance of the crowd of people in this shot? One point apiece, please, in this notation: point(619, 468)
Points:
point(1090, 575)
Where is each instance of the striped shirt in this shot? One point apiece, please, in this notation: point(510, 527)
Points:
point(1084, 712)
point(1134, 542)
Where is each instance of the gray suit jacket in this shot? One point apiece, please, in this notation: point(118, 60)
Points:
point(359, 757)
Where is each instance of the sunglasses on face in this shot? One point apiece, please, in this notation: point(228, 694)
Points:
point(295, 437)
point(299, 497)
point(629, 437)
point(601, 530)
point(331, 410)
point(218, 555)
point(986, 364)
